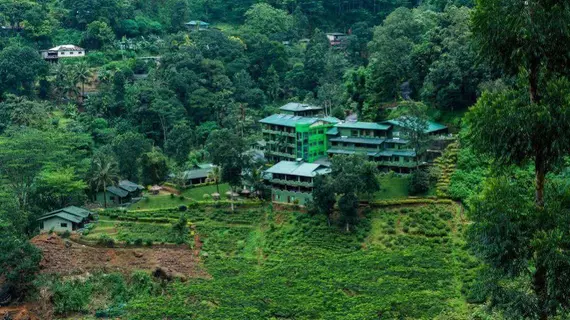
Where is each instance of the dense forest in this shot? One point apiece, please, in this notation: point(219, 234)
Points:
point(153, 98)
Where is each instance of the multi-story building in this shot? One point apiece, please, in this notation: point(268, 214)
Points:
point(292, 181)
point(298, 133)
point(383, 142)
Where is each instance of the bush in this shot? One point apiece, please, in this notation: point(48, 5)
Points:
point(419, 182)
point(182, 208)
point(105, 240)
point(66, 234)
point(138, 242)
point(148, 242)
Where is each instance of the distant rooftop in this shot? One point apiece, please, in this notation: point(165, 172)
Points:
point(363, 125)
point(289, 120)
point(296, 107)
point(374, 141)
point(66, 47)
point(296, 168)
point(197, 22)
point(74, 214)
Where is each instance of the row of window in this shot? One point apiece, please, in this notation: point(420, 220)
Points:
point(71, 52)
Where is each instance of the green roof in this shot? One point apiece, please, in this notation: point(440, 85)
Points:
point(363, 125)
point(129, 186)
point(74, 214)
point(403, 153)
point(196, 173)
point(297, 107)
point(432, 126)
point(398, 141)
point(333, 131)
point(295, 168)
point(118, 191)
point(374, 141)
point(289, 120)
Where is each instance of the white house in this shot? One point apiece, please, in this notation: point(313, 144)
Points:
point(63, 51)
point(66, 219)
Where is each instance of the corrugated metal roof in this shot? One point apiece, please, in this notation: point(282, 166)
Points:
point(332, 131)
point(294, 168)
point(287, 120)
point(63, 215)
point(432, 126)
point(80, 212)
point(66, 47)
point(196, 174)
point(363, 125)
point(129, 186)
point(398, 141)
point(373, 141)
point(117, 191)
point(296, 107)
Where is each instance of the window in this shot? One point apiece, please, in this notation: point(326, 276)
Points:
point(80, 52)
point(41, 225)
point(71, 52)
point(63, 225)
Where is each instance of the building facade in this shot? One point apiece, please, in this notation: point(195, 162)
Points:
point(292, 181)
point(63, 51)
point(66, 219)
point(290, 137)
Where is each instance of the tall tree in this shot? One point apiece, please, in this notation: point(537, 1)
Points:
point(105, 172)
point(324, 197)
point(531, 36)
point(228, 150)
point(20, 68)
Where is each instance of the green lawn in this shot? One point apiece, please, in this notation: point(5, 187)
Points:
point(392, 187)
point(405, 263)
point(168, 201)
point(198, 193)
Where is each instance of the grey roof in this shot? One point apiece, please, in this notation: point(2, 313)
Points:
point(363, 125)
point(403, 153)
point(295, 107)
point(335, 34)
point(195, 22)
point(295, 168)
point(118, 191)
point(432, 126)
point(374, 141)
point(130, 186)
point(71, 213)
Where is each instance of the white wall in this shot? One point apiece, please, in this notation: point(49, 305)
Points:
point(55, 223)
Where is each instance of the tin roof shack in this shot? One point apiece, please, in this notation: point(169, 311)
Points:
point(66, 219)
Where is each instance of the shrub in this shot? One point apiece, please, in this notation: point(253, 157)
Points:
point(148, 242)
point(182, 208)
point(172, 196)
point(419, 182)
point(105, 240)
point(66, 234)
point(138, 242)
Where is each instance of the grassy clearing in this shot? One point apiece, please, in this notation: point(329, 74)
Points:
point(168, 201)
point(392, 187)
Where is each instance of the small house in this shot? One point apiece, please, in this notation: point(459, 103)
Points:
point(122, 193)
point(66, 219)
point(198, 175)
point(336, 38)
point(197, 25)
point(63, 51)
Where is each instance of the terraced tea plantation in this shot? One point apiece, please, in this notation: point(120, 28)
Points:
point(405, 263)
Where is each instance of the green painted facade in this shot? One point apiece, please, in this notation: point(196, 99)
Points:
point(290, 137)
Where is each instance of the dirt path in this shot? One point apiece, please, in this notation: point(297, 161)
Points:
point(70, 258)
point(17, 313)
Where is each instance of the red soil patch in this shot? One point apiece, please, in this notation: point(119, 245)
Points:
point(70, 258)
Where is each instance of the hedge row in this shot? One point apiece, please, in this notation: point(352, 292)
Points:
point(389, 203)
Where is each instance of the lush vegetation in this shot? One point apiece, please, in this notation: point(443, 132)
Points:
point(408, 262)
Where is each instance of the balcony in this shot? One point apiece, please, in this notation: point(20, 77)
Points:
point(279, 133)
point(293, 183)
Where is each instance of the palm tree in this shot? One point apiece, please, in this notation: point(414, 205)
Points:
point(83, 75)
point(215, 176)
point(105, 172)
